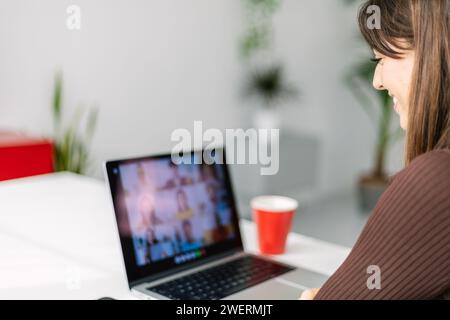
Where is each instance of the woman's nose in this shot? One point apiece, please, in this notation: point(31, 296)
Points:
point(377, 80)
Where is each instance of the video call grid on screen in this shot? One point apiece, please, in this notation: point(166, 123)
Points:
point(174, 209)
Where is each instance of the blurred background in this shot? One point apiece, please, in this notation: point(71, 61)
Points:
point(138, 69)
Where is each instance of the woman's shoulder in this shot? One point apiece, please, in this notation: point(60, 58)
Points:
point(436, 163)
point(420, 192)
point(425, 181)
point(435, 155)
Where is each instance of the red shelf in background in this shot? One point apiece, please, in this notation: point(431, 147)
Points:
point(22, 155)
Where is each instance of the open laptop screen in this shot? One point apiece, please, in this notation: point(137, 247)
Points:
point(172, 216)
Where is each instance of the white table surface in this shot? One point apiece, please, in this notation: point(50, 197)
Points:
point(58, 240)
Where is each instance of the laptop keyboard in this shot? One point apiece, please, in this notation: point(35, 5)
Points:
point(221, 281)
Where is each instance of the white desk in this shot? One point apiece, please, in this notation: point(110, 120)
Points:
point(58, 240)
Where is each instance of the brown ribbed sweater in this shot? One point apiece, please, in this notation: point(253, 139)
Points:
point(407, 236)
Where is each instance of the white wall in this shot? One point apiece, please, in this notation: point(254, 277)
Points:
point(153, 66)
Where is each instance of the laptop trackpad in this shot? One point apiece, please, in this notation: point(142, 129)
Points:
point(276, 289)
point(285, 287)
point(305, 278)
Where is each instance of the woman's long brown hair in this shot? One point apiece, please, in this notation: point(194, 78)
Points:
point(422, 26)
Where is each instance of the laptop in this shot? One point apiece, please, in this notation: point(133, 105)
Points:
point(180, 237)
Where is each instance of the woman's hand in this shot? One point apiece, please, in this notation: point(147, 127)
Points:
point(309, 294)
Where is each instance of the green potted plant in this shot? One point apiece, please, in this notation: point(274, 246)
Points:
point(266, 78)
point(71, 143)
point(270, 89)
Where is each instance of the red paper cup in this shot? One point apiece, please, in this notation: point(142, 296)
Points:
point(273, 217)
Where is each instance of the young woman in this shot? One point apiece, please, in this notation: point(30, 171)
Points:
point(406, 242)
